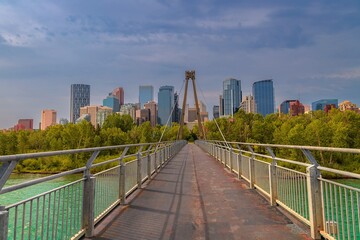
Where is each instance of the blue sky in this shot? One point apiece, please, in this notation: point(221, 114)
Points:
point(309, 48)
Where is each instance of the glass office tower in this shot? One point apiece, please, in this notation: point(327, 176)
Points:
point(165, 104)
point(232, 95)
point(79, 97)
point(263, 92)
point(146, 94)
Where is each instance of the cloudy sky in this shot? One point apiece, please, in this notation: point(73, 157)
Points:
point(311, 49)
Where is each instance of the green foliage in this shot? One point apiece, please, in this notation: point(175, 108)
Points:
point(333, 129)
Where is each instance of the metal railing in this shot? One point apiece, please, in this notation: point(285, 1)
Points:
point(331, 209)
point(72, 210)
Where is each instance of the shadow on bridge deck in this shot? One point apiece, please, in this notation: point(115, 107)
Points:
point(193, 197)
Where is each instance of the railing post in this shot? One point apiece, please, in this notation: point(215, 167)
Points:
point(272, 178)
point(239, 158)
point(230, 159)
point(122, 192)
point(139, 177)
point(88, 205)
point(155, 160)
point(148, 164)
point(251, 169)
point(314, 196)
point(4, 221)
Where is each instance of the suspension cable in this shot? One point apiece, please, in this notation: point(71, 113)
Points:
point(172, 110)
point(217, 125)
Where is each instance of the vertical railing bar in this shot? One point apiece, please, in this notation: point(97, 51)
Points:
point(23, 220)
point(353, 214)
point(331, 223)
point(71, 211)
point(336, 210)
point(327, 227)
point(15, 221)
point(302, 192)
point(66, 190)
point(323, 193)
point(48, 218)
point(42, 219)
point(37, 217)
point(53, 221)
point(76, 207)
point(30, 218)
point(347, 213)
point(58, 213)
point(342, 214)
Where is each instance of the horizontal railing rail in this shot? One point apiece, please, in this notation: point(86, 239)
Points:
point(331, 209)
point(72, 210)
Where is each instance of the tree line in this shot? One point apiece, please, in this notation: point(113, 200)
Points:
point(318, 128)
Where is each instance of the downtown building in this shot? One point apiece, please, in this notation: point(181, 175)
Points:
point(79, 97)
point(151, 106)
point(146, 94)
point(165, 104)
point(112, 102)
point(24, 124)
point(292, 107)
point(248, 104)
point(95, 114)
point(118, 93)
point(48, 118)
point(263, 92)
point(231, 96)
point(324, 104)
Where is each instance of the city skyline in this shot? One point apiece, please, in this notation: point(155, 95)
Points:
point(309, 48)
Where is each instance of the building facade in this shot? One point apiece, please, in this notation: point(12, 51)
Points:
point(165, 104)
point(94, 112)
point(79, 97)
point(216, 111)
point(292, 107)
point(119, 94)
point(348, 106)
point(232, 95)
point(263, 92)
point(248, 104)
point(152, 107)
point(321, 104)
point(129, 109)
point(146, 94)
point(112, 102)
point(176, 113)
point(48, 118)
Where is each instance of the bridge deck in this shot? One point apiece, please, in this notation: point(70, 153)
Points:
point(193, 197)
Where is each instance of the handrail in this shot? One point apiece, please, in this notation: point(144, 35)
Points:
point(327, 207)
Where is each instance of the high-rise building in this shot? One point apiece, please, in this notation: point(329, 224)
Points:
point(263, 92)
point(232, 95)
point(248, 104)
point(321, 104)
point(142, 115)
point(48, 118)
point(176, 112)
point(165, 104)
point(93, 111)
point(129, 109)
point(146, 94)
point(119, 94)
point(292, 107)
point(112, 102)
point(348, 106)
point(216, 111)
point(221, 105)
point(152, 107)
point(79, 97)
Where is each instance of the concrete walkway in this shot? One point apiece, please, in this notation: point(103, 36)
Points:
point(193, 197)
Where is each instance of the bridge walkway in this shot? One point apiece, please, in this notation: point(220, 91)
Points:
point(194, 197)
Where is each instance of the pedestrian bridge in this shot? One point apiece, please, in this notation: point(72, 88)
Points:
point(174, 190)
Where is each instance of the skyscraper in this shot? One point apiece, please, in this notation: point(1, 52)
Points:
point(216, 111)
point(263, 92)
point(248, 104)
point(152, 107)
point(292, 107)
point(79, 97)
point(48, 118)
point(165, 104)
point(112, 102)
point(321, 104)
point(119, 94)
point(232, 95)
point(176, 112)
point(146, 94)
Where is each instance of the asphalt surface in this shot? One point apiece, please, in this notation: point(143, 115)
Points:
point(194, 197)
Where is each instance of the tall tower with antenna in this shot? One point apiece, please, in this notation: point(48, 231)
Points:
point(190, 75)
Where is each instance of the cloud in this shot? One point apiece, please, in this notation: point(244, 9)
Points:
point(346, 74)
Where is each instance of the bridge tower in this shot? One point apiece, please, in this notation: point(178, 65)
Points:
point(190, 75)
